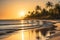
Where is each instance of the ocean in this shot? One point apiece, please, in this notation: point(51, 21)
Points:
point(25, 29)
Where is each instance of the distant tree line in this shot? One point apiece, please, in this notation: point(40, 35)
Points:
point(49, 12)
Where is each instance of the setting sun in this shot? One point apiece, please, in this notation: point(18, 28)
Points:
point(22, 14)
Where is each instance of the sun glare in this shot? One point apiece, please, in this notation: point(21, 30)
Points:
point(22, 14)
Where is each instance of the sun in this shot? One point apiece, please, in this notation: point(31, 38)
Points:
point(22, 14)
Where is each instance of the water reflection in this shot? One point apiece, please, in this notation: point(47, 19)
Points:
point(26, 35)
point(29, 34)
point(22, 32)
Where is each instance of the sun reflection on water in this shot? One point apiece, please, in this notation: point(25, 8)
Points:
point(22, 34)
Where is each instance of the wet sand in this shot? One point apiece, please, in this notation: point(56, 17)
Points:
point(57, 35)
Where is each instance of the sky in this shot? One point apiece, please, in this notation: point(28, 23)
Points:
point(10, 9)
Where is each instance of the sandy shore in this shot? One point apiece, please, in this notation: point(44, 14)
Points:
point(57, 35)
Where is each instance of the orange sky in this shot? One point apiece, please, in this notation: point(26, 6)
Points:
point(10, 9)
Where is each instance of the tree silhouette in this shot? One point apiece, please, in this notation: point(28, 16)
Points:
point(44, 13)
point(38, 7)
point(57, 7)
point(37, 11)
point(53, 12)
point(57, 11)
point(49, 4)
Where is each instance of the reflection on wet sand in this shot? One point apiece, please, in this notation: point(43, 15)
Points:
point(26, 35)
point(40, 33)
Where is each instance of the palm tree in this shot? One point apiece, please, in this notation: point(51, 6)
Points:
point(44, 13)
point(49, 4)
point(51, 13)
point(57, 10)
point(57, 6)
point(37, 9)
